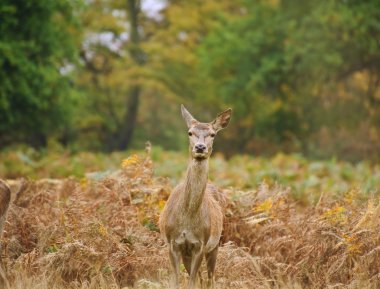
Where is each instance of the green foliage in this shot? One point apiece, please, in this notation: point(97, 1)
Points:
point(246, 60)
point(308, 179)
point(36, 41)
point(287, 71)
point(300, 76)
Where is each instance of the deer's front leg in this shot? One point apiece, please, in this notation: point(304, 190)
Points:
point(195, 265)
point(175, 259)
point(211, 262)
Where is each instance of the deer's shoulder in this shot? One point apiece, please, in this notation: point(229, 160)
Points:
point(216, 194)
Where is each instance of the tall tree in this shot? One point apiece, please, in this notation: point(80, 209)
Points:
point(112, 55)
point(138, 56)
point(140, 65)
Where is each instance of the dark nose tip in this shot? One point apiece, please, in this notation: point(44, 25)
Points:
point(200, 148)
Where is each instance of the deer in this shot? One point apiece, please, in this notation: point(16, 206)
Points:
point(191, 222)
point(5, 198)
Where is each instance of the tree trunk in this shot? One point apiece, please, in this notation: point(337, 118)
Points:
point(130, 117)
point(132, 103)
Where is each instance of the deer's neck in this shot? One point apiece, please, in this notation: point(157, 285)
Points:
point(195, 185)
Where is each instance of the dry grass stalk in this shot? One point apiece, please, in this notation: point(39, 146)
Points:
point(103, 234)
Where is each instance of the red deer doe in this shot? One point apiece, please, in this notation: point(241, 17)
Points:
point(5, 197)
point(192, 220)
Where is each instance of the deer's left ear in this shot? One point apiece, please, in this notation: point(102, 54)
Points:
point(190, 120)
point(222, 120)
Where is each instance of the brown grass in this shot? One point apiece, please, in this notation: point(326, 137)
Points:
point(103, 234)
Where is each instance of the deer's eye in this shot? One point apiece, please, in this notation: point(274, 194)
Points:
point(190, 133)
point(212, 135)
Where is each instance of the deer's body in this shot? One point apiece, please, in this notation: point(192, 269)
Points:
point(193, 214)
point(192, 220)
point(5, 197)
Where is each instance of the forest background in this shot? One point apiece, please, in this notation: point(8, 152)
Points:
point(108, 75)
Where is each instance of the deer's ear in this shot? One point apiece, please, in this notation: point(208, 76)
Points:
point(222, 120)
point(190, 120)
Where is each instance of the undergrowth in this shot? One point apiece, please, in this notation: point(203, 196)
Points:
point(307, 179)
point(100, 230)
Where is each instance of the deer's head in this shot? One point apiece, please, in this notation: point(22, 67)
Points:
point(201, 135)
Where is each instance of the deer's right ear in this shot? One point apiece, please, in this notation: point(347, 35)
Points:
point(222, 120)
point(190, 120)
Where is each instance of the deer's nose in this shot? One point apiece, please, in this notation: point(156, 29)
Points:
point(199, 148)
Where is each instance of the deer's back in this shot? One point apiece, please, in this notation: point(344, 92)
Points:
point(5, 197)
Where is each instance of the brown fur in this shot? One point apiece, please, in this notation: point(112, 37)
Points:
point(5, 197)
point(192, 220)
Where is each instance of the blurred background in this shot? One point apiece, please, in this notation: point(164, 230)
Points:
point(108, 75)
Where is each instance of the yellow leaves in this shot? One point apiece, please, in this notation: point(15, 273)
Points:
point(336, 210)
point(130, 161)
point(161, 204)
point(273, 3)
point(102, 230)
point(353, 244)
point(337, 214)
point(150, 206)
point(98, 228)
point(266, 210)
point(83, 183)
point(265, 206)
point(351, 196)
